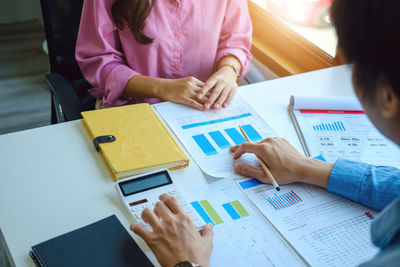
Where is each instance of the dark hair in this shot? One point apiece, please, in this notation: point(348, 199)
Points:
point(134, 14)
point(369, 38)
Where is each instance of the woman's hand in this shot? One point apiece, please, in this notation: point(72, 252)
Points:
point(182, 91)
point(286, 164)
point(219, 90)
point(175, 238)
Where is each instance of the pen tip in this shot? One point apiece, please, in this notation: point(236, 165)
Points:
point(278, 188)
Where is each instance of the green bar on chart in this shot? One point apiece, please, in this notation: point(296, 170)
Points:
point(239, 208)
point(211, 212)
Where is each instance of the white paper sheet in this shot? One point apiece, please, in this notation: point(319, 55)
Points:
point(342, 132)
point(239, 240)
point(326, 229)
point(212, 154)
point(326, 103)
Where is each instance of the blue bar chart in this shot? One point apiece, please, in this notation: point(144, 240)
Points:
point(336, 126)
point(284, 200)
point(252, 133)
point(203, 214)
point(209, 135)
point(205, 145)
point(235, 135)
point(220, 140)
point(231, 211)
point(235, 210)
point(214, 142)
point(207, 212)
point(250, 183)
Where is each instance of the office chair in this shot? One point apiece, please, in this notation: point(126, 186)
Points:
point(69, 89)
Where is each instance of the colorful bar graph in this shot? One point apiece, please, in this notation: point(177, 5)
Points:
point(205, 145)
point(249, 183)
point(235, 136)
point(336, 126)
point(203, 214)
point(210, 211)
point(238, 206)
point(284, 200)
point(198, 124)
point(220, 139)
point(252, 133)
point(231, 211)
point(235, 210)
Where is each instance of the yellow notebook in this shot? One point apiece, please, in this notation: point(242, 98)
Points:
point(142, 142)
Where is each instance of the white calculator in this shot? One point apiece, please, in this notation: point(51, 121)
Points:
point(142, 191)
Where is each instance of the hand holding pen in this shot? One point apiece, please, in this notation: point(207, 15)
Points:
point(285, 164)
point(266, 170)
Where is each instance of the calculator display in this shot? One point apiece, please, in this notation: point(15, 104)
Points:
point(144, 183)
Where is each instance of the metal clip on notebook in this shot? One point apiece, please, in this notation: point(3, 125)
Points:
point(103, 139)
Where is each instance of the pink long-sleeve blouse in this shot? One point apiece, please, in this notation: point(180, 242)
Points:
point(190, 37)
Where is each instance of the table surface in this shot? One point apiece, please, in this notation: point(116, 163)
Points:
point(53, 181)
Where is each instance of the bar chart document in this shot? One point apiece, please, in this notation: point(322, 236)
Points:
point(337, 127)
point(326, 229)
point(242, 236)
point(208, 135)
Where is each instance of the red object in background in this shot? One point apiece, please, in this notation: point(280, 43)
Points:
point(304, 12)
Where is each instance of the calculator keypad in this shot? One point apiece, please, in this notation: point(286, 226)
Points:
point(138, 209)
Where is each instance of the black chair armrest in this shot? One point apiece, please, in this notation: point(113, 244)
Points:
point(64, 95)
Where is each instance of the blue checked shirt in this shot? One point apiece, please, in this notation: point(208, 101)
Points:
point(375, 187)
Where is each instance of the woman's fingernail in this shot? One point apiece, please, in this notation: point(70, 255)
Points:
point(217, 106)
point(200, 95)
point(207, 106)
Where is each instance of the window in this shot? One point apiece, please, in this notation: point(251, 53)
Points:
point(293, 36)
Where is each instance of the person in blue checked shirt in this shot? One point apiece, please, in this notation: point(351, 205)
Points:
point(369, 38)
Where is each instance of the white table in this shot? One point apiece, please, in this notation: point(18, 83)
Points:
point(53, 181)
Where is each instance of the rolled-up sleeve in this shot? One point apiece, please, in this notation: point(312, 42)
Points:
point(235, 37)
point(98, 53)
point(373, 186)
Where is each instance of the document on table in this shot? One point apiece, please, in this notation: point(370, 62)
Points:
point(242, 236)
point(326, 229)
point(208, 135)
point(337, 127)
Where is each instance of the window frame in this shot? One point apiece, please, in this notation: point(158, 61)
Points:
point(281, 49)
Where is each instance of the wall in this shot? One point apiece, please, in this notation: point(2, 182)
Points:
point(19, 10)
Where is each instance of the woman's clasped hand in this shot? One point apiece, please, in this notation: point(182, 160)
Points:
point(216, 93)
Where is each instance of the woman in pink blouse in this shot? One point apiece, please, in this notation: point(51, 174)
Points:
point(191, 52)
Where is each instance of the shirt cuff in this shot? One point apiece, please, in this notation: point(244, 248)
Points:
point(116, 83)
point(346, 178)
point(243, 58)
